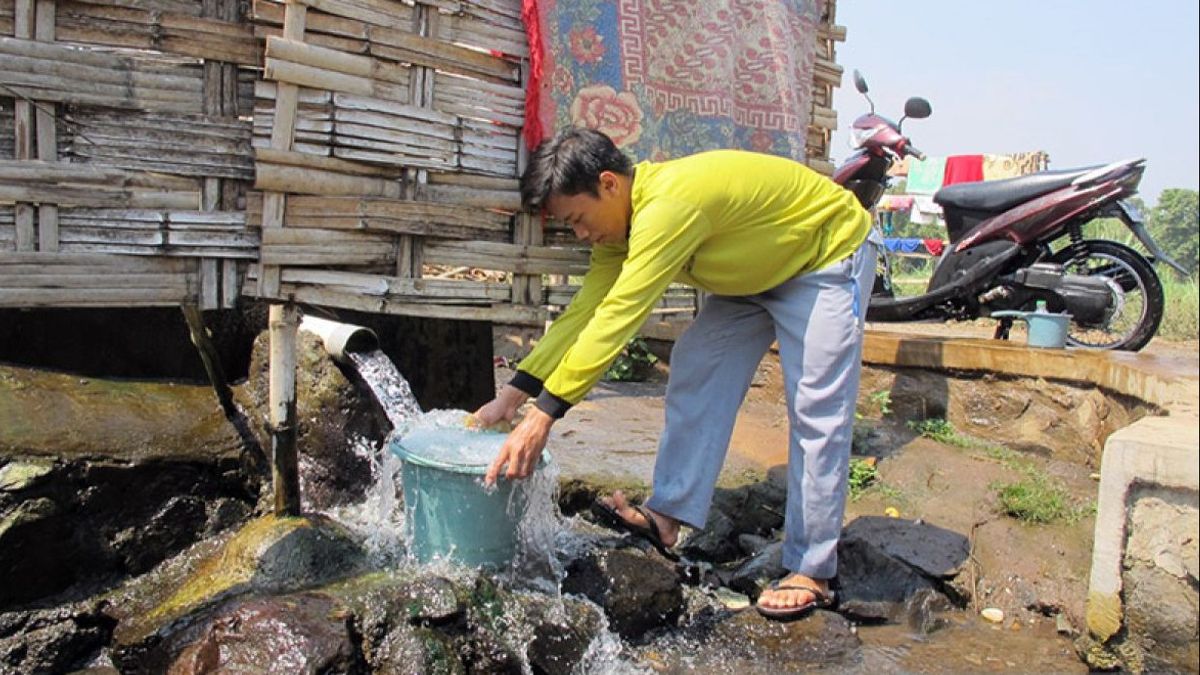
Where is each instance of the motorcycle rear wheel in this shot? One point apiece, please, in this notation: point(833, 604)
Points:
point(1137, 295)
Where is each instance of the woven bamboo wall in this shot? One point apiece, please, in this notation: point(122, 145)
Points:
point(387, 150)
point(827, 76)
point(122, 154)
point(361, 154)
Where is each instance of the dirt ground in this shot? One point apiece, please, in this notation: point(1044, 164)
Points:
point(1035, 573)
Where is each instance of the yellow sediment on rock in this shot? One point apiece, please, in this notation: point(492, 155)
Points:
point(234, 565)
point(1103, 614)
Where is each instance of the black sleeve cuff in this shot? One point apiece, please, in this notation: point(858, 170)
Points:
point(552, 405)
point(526, 383)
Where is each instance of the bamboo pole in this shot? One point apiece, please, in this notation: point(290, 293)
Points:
point(283, 323)
point(282, 135)
point(24, 19)
point(208, 355)
point(276, 178)
point(47, 134)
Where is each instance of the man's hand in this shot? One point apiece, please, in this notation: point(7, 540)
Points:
point(523, 448)
point(503, 408)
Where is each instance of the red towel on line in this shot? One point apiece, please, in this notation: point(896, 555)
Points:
point(934, 246)
point(963, 169)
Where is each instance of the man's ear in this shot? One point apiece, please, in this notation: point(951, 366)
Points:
point(608, 181)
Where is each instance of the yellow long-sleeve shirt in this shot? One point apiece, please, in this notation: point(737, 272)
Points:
point(728, 221)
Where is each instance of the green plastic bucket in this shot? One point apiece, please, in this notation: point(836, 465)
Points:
point(450, 515)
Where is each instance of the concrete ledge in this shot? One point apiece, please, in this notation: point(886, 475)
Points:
point(1154, 451)
point(1164, 382)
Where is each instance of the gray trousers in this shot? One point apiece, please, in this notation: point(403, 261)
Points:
point(817, 318)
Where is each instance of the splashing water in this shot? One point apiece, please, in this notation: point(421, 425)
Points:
point(389, 386)
point(543, 539)
point(379, 518)
point(442, 436)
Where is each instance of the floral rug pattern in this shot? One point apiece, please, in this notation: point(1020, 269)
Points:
point(667, 78)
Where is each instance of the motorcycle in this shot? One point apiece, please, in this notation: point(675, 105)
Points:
point(1017, 241)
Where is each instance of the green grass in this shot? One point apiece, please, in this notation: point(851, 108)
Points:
point(943, 431)
point(1034, 498)
point(1181, 319)
point(1037, 500)
point(862, 474)
point(882, 400)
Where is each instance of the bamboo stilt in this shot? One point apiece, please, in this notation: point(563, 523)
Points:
point(283, 323)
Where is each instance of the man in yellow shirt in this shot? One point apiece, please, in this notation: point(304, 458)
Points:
point(784, 253)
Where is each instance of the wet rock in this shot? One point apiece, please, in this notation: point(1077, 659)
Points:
point(637, 591)
point(104, 479)
point(410, 650)
point(716, 542)
point(756, 573)
point(1161, 611)
point(300, 633)
point(763, 508)
point(562, 633)
point(399, 620)
point(495, 631)
point(933, 551)
point(752, 544)
point(224, 513)
point(333, 415)
point(171, 529)
point(20, 475)
point(884, 562)
point(384, 603)
point(754, 509)
point(820, 638)
point(269, 555)
point(54, 640)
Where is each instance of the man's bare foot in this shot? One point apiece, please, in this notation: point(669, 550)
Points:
point(668, 528)
point(784, 598)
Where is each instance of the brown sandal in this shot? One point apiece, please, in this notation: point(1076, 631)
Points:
point(608, 516)
point(821, 600)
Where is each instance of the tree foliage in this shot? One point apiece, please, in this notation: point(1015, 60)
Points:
point(1175, 224)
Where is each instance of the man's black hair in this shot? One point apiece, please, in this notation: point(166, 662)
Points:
point(570, 164)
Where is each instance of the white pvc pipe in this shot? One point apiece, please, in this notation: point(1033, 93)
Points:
point(341, 338)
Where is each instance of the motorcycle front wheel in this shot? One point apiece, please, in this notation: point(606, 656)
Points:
point(1137, 295)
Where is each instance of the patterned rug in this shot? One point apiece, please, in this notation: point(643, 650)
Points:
point(666, 78)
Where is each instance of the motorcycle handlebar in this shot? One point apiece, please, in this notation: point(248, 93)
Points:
point(915, 153)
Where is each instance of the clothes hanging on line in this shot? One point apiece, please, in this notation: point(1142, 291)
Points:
point(925, 176)
point(925, 211)
point(996, 167)
point(963, 169)
point(895, 203)
point(902, 244)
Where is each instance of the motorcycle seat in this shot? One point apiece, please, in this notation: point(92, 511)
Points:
point(1003, 194)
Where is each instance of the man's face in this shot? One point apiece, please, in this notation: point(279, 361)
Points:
point(602, 219)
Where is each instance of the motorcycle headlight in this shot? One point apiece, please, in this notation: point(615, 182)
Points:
point(860, 135)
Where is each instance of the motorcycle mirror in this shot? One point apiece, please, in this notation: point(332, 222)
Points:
point(859, 82)
point(917, 108)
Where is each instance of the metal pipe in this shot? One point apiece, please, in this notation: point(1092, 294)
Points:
point(341, 339)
